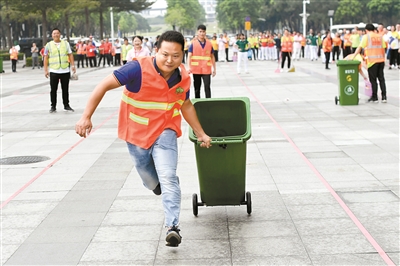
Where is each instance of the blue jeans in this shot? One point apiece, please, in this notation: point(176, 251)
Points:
point(158, 165)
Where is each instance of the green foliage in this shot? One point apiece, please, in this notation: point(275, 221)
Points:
point(156, 20)
point(127, 23)
point(232, 13)
point(185, 14)
point(29, 61)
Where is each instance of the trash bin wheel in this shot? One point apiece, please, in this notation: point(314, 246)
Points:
point(194, 203)
point(336, 100)
point(248, 201)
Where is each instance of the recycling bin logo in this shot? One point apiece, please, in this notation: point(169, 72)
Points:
point(348, 78)
point(349, 90)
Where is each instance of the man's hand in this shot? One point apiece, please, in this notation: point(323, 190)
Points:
point(83, 127)
point(73, 69)
point(205, 141)
point(214, 73)
point(189, 71)
point(46, 73)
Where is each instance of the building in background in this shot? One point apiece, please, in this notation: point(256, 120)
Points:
point(159, 8)
point(209, 6)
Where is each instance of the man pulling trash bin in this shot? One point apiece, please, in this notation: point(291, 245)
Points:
point(156, 93)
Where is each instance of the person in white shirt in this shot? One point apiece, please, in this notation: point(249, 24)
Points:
point(117, 57)
point(221, 48)
point(296, 46)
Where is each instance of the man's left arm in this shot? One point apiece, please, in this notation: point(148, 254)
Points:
point(189, 113)
point(214, 72)
point(71, 59)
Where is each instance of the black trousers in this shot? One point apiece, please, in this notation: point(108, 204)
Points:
point(302, 51)
point(327, 58)
point(54, 80)
point(346, 51)
point(215, 55)
point(227, 54)
point(393, 57)
point(92, 61)
point(335, 51)
point(80, 59)
point(197, 84)
point(284, 55)
point(376, 72)
point(14, 65)
point(117, 59)
point(255, 52)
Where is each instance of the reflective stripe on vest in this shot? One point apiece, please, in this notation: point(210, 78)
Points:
point(58, 58)
point(150, 105)
point(374, 51)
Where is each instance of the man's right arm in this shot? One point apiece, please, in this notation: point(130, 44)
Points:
point(84, 125)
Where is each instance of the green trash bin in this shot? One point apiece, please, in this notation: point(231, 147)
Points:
point(348, 82)
point(222, 167)
point(1, 65)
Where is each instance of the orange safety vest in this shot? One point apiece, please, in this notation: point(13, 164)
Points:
point(347, 41)
point(201, 58)
point(144, 115)
point(270, 42)
point(374, 52)
point(327, 45)
point(14, 54)
point(303, 41)
point(287, 44)
point(337, 41)
point(80, 48)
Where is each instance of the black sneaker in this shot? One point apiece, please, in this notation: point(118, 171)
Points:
point(373, 100)
point(384, 99)
point(52, 110)
point(68, 108)
point(157, 190)
point(173, 238)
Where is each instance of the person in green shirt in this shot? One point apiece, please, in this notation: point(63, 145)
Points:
point(243, 46)
point(125, 49)
point(355, 40)
point(312, 42)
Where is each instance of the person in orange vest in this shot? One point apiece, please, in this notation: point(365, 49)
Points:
point(337, 43)
point(80, 51)
point(346, 44)
point(287, 48)
point(303, 44)
point(14, 58)
point(201, 62)
point(91, 53)
point(374, 51)
point(327, 48)
point(150, 131)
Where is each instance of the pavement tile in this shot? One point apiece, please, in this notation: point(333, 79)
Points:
point(337, 244)
point(273, 260)
point(327, 226)
point(267, 246)
point(361, 259)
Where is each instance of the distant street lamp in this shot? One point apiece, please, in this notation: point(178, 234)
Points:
point(330, 15)
point(38, 30)
point(305, 15)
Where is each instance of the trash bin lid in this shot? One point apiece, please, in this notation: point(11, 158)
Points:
point(348, 63)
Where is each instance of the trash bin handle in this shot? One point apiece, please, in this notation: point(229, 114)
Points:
point(223, 141)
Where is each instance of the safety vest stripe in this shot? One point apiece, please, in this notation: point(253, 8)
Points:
point(139, 119)
point(375, 56)
point(150, 105)
point(176, 113)
point(194, 63)
point(198, 57)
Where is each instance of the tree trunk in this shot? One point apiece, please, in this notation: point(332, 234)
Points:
point(87, 22)
point(44, 26)
point(101, 23)
point(8, 30)
point(67, 24)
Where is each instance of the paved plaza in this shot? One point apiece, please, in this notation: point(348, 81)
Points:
point(324, 178)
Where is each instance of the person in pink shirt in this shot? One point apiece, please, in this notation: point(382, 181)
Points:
point(137, 50)
point(107, 51)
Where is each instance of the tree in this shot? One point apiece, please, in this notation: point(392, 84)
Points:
point(232, 13)
point(187, 13)
point(349, 11)
point(127, 23)
point(142, 24)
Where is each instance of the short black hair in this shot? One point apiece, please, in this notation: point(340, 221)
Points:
point(171, 36)
point(139, 37)
point(370, 27)
point(56, 29)
point(201, 27)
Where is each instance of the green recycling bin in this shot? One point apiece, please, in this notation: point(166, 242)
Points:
point(348, 82)
point(1, 65)
point(222, 167)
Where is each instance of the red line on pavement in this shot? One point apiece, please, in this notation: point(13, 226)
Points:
point(3, 204)
point(357, 222)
